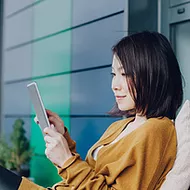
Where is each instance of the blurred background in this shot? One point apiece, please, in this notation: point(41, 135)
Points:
point(65, 46)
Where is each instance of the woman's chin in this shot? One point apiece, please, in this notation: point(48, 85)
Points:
point(121, 108)
point(125, 108)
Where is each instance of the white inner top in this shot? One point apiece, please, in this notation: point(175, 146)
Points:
point(130, 127)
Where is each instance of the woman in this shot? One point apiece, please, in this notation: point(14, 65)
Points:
point(134, 153)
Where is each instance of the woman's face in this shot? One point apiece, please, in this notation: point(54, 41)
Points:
point(120, 86)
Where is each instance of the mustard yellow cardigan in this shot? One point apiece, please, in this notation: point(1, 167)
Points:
point(138, 161)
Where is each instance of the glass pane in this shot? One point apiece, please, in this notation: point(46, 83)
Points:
point(55, 92)
point(51, 17)
point(85, 10)
point(52, 55)
point(91, 92)
point(86, 131)
point(181, 40)
point(8, 126)
point(43, 171)
point(16, 99)
point(91, 44)
point(19, 28)
point(47, 175)
point(18, 63)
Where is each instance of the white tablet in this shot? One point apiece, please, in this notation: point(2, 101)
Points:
point(38, 105)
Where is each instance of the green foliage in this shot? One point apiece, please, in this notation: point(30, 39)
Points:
point(13, 157)
point(5, 154)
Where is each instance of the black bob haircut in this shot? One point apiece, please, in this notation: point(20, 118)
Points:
point(153, 75)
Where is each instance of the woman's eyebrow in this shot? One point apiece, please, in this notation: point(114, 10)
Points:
point(119, 68)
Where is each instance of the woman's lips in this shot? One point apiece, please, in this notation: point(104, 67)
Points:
point(120, 97)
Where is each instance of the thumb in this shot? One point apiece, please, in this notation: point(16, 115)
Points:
point(53, 127)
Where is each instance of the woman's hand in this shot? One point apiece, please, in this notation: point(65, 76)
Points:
point(57, 150)
point(55, 120)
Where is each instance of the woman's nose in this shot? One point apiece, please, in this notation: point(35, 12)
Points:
point(116, 84)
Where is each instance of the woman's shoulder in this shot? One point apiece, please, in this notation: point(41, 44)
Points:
point(160, 123)
point(157, 128)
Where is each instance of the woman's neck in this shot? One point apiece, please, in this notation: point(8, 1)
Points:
point(139, 119)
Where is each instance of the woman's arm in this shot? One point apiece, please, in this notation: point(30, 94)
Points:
point(29, 185)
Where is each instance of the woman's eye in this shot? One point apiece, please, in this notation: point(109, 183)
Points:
point(123, 74)
point(112, 74)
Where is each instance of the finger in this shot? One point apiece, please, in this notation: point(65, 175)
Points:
point(51, 132)
point(47, 153)
point(53, 127)
point(48, 145)
point(50, 113)
point(56, 122)
point(48, 139)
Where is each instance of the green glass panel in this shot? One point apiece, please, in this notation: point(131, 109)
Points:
point(52, 55)
point(46, 173)
point(42, 170)
point(55, 92)
point(37, 141)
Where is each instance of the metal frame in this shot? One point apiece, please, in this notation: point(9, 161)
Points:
point(126, 18)
point(1, 61)
point(178, 2)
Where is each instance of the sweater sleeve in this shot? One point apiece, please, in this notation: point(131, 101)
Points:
point(71, 143)
point(143, 165)
point(29, 185)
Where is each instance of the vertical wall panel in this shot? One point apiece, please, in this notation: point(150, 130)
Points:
point(16, 106)
point(52, 55)
point(86, 131)
point(89, 91)
point(19, 29)
point(16, 99)
point(55, 92)
point(18, 63)
point(52, 16)
point(85, 10)
point(45, 172)
point(91, 44)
